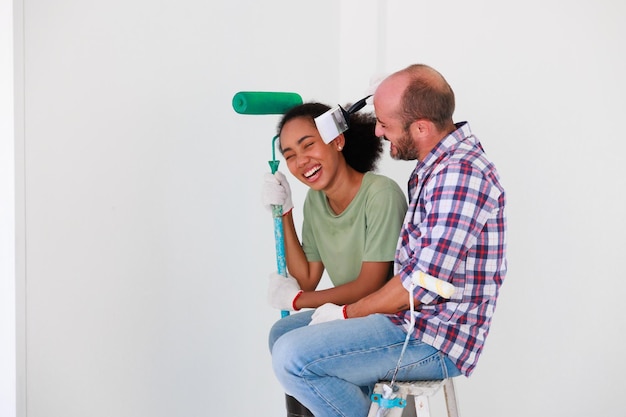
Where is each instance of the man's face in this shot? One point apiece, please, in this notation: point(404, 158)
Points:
point(389, 126)
point(403, 147)
point(388, 121)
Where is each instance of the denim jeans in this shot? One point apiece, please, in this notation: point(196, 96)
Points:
point(332, 367)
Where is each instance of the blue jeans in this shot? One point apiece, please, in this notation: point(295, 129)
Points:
point(331, 368)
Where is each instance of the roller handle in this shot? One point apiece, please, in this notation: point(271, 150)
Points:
point(279, 237)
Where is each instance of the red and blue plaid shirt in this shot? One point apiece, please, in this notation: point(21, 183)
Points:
point(455, 230)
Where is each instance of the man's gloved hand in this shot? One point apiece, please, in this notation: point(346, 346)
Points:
point(283, 291)
point(328, 312)
point(276, 191)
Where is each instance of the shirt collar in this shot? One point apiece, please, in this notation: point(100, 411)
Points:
point(447, 145)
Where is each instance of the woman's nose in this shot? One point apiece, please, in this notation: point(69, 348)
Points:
point(302, 160)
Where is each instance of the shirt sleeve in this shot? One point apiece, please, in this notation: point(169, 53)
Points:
point(455, 204)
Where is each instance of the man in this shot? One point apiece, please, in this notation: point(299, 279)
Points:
point(454, 230)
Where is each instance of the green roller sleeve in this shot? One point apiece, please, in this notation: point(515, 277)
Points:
point(265, 102)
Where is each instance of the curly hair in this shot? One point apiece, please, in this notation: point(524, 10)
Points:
point(362, 149)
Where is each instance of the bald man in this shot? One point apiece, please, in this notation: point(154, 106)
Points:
point(454, 230)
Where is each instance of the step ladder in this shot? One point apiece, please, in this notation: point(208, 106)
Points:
point(419, 391)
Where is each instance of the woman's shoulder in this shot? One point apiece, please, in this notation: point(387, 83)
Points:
point(383, 194)
point(380, 182)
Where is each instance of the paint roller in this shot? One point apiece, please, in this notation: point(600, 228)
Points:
point(270, 102)
point(265, 102)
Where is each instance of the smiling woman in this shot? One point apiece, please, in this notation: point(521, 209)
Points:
point(352, 216)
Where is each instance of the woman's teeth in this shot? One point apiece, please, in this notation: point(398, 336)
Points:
point(312, 171)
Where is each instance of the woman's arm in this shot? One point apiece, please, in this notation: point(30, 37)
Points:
point(372, 276)
point(308, 274)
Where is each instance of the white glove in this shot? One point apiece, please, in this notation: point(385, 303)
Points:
point(327, 312)
point(282, 291)
point(276, 191)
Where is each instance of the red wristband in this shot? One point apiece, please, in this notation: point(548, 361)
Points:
point(345, 314)
point(287, 212)
point(293, 303)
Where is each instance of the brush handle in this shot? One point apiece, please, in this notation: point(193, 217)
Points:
point(265, 102)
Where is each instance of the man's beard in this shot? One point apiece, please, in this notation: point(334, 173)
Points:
point(405, 148)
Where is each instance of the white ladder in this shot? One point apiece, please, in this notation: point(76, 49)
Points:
point(420, 391)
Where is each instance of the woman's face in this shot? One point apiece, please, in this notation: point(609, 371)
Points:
point(308, 158)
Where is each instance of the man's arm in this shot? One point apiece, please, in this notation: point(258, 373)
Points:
point(391, 298)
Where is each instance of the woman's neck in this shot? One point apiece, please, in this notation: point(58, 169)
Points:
point(343, 190)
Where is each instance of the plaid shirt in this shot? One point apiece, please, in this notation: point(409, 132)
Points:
point(455, 230)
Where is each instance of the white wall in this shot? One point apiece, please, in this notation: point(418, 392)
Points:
point(542, 85)
point(146, 250)
point(7, 216)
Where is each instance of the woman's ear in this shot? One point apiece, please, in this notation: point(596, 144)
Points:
point(340, 142)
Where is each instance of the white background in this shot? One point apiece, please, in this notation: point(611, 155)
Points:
point(141, 248)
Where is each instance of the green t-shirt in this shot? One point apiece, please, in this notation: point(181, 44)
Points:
point(366, 231)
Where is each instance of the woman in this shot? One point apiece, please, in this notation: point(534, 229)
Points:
point(352, 216)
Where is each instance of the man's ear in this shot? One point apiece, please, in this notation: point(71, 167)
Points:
point(422, 128)
point(418, 128)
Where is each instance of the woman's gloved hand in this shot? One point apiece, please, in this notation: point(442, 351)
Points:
point(328, 312)
point(283, 292)
point(276, 191)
